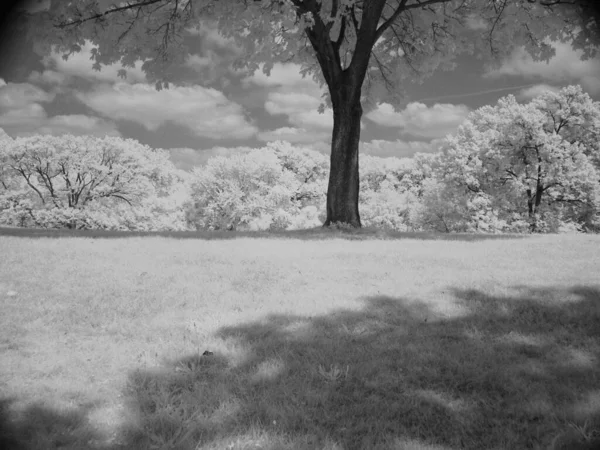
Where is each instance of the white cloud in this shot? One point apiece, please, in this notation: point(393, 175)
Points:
point(399, 148)
point(22, 113)
point(301, 109)
point(419, 120)
point(296, 97)
point(284, 75)
point(533, 91)
point(78, 124)
point(26, 116)
point(33, 120)
point(205, 112)
point(47, 78)
point(20, 95)
point(293, 135)
point(566, 67)
point(80, 65)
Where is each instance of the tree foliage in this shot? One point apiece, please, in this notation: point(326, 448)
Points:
point(82, 181)
point(528, 164)
point(270, 188)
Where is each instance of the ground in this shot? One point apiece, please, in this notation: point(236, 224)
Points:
point(319, 340)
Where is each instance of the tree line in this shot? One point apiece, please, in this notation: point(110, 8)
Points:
point(512, 167)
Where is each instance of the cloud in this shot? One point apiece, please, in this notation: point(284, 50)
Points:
point(566, 67)
point(77, 124)
point(301, 109)
point(298, 98)
point(213, 57)
point(419, 120)
point(206, 112)
point(22, 114)
point(534, 91)
point(399, 148)
point(188, 158)
point(33, 120)
point(293, 135)
point(80, 65)
point(47, 78)
point(284, 75)
point(19, 95)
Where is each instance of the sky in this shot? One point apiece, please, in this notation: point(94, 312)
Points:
point(218, 111)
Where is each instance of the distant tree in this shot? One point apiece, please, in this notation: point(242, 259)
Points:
point(384, 200)
point(516, 160)
point(75, 181)
point(361, 50)
point(243, 191)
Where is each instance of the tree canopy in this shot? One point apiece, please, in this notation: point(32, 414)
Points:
point(385, 42)
point(82, 181)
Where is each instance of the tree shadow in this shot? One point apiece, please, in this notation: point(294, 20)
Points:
point(313, 234)
point(514, 372)
point(42, 427)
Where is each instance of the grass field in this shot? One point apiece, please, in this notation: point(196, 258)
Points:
point(319, 340)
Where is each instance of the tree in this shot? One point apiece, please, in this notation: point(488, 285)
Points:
point(529, 160)
point(75, 181)
point(241, 191)
point(359, 49)
point(276, 187)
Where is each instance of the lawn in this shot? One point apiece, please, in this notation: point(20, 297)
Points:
point(317, 340)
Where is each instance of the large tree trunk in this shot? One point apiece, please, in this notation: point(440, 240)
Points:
point(342, 192)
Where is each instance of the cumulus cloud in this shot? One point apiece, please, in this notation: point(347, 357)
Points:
point(34, 120)
point(206, 112)
point(292, 135)
point(419, 120)
point(213, 57)
point(399, 148)
point(284, 75)
point(22, 114)
point(19, 95)
point(301, 110)
point(566, 67)
point(77, 124)
point(47, 78)
point(533, 91)
point(297, 97)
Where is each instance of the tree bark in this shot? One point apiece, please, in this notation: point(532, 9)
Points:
point(343, 189)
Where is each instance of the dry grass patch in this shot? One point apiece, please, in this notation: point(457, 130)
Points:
point(315, 343)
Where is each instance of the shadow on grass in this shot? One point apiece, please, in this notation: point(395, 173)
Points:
point(518, 372)
point(40, 427)
point(308, 235)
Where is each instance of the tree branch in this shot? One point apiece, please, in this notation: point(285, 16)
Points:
point(385, 25)
point(106, 13)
